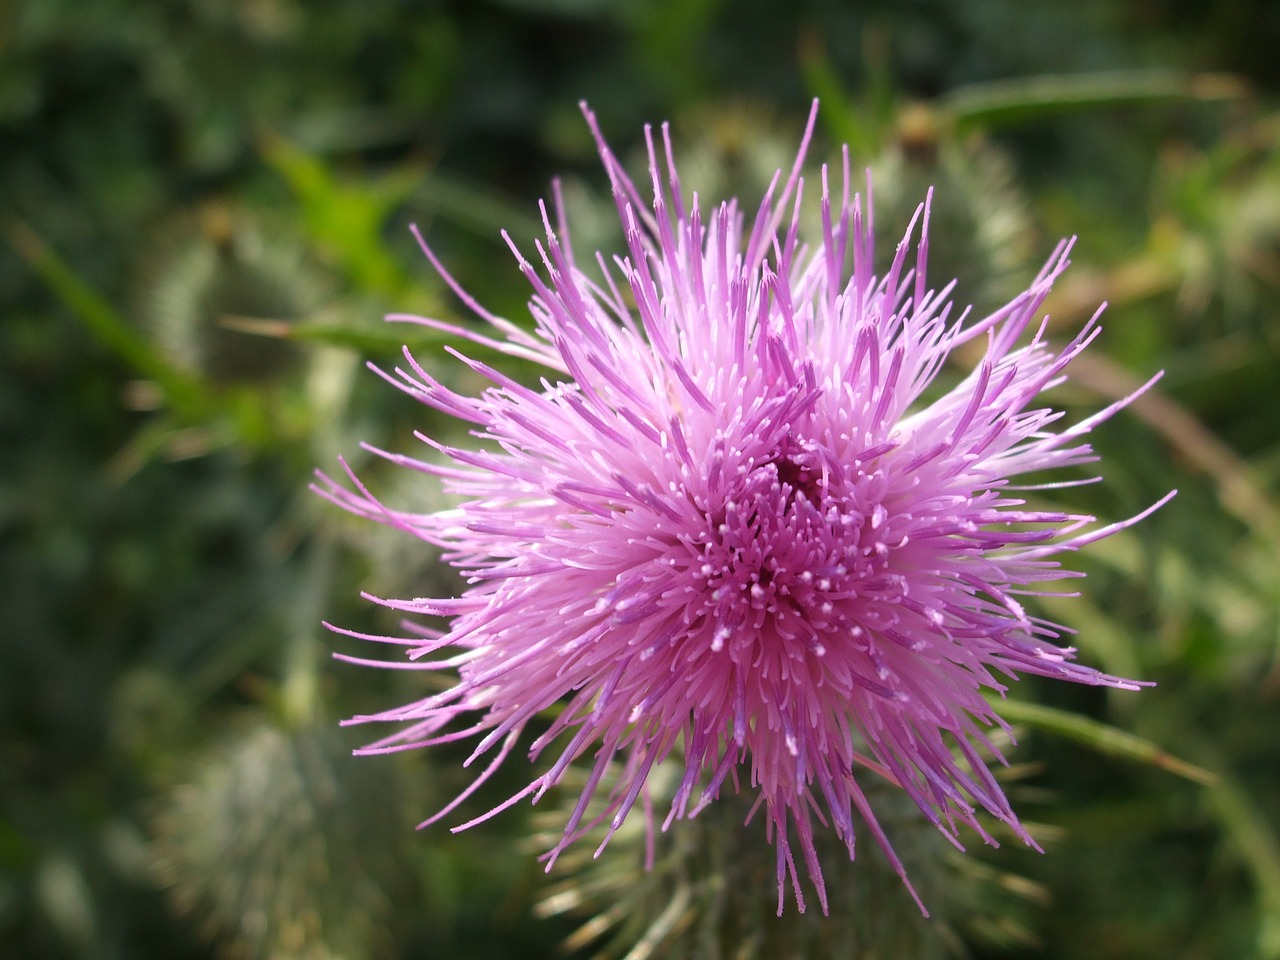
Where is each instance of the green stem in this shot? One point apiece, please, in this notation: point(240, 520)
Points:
point(1102, 737)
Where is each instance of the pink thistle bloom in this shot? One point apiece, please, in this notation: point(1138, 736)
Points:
point(725, 531)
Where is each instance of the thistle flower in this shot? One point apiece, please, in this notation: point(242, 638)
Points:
point(726, 530)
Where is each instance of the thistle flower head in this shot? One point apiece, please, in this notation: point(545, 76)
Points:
point(727, 530)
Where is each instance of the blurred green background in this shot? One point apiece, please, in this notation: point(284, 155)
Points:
point(204, 210)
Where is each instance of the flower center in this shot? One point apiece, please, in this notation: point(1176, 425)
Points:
point(788, 557)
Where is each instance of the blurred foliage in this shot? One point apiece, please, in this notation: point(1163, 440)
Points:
point(203, 211)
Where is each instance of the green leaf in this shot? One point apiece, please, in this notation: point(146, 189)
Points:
point(863, 126)
point(388, 338)
point(347, 218)
point(1008, 102)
